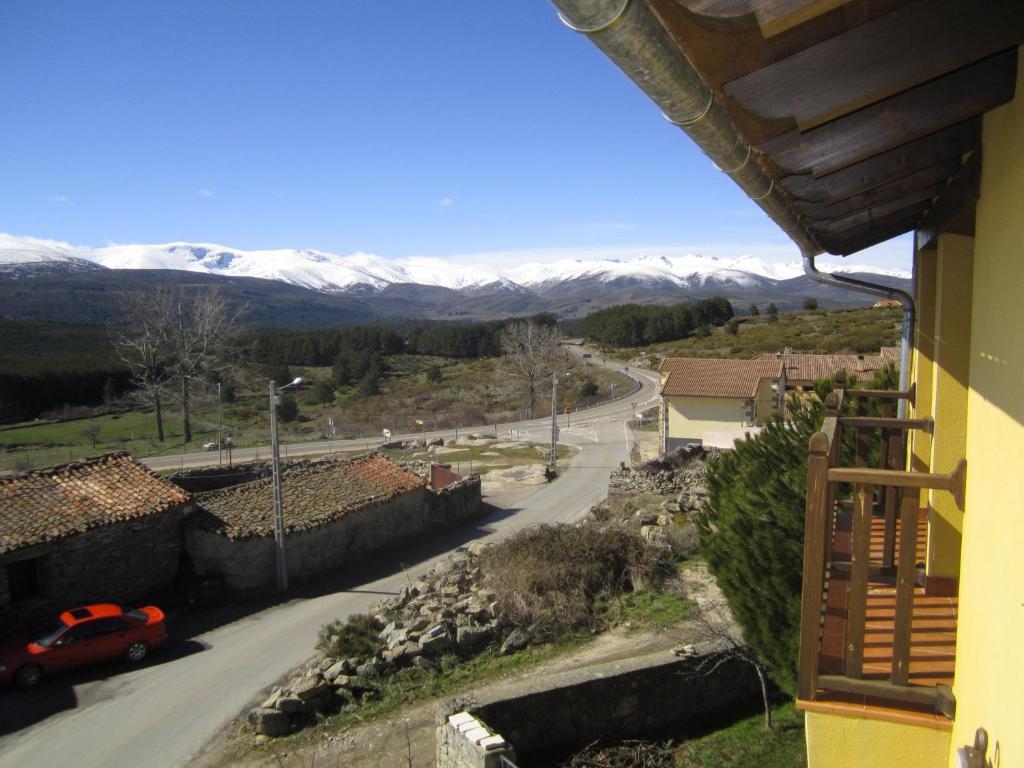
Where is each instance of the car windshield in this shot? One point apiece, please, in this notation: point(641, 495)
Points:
point(134, 613)
point(47, 638)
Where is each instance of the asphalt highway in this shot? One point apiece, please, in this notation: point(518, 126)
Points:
point(163, 713)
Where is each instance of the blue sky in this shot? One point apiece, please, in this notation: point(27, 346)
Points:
point(411, 128)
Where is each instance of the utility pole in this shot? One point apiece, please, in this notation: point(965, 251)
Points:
point(275, 462)
point(220, 427)
point(554, 422)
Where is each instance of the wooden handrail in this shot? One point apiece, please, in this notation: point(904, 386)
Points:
point(953, 482)
point(886, 394)
point(880, 422)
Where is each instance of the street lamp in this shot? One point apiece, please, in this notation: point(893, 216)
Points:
point(220, 426)
point(554, 421)
point(275, 463)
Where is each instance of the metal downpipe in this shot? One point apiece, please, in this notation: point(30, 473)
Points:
point(882, 291)
point(635, 40)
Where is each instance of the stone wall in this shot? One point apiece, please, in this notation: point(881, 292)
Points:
point(250, 563)
point(644, 697)
point(464, 741)
point(117, 563)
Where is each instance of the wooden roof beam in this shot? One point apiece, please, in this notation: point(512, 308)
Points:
point(928, 108)
point(773, 16)
point(931, 177)
point(920, 198)
point(872, 234)
point(902, 49)
point(944, 146)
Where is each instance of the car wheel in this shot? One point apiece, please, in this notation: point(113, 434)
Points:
point(137, 651)
point(28, 676)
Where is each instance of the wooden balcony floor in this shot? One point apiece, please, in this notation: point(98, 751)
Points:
point(933, 625)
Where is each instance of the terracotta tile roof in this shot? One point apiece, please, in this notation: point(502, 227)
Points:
point(313, 496)
point(62, 501)
point(814, 367)
point(715, 377)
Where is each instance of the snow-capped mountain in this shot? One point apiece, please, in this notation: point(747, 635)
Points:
point(563, 282)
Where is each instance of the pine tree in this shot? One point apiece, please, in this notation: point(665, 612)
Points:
point(752, 535)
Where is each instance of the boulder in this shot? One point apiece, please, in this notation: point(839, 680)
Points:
point(431, 645)
point(269, 722)
point(310, 687)
point(336, 669)
point(271, 701)
point(370, 669)
point(291, 705)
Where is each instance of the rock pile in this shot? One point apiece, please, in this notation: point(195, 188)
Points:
point(683, 474)
point(447, 611)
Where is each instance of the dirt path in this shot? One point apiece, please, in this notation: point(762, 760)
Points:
point(406, 738)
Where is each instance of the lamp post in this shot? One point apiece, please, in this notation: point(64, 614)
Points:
point(275, 463)
point(220, 427)
point(554, 420)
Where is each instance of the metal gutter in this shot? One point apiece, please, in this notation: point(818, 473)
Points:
point(635, 40)
point(882, 291)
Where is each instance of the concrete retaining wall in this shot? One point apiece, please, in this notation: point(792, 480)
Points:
point(642, 697)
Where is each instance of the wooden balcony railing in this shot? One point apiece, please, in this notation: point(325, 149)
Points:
point(883, 496)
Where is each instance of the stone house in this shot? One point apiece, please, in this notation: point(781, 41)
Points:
point(335, 512)
point(102, 530)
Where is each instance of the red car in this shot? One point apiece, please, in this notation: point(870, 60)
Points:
point(83, 636)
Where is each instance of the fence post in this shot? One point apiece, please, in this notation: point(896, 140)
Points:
point(814, 565)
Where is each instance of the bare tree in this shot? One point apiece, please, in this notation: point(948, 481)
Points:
point(528, 351)
point(714, 624)
point(92, 432)
point(141, 344)
point(198, 331)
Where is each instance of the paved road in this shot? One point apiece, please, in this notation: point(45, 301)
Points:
point(165, 712)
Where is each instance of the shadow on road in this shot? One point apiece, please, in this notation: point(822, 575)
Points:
point(21, 709)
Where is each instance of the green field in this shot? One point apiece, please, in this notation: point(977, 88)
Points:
point(817, 332)
point(470, 394)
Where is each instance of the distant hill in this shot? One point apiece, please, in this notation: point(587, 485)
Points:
point(40, 280)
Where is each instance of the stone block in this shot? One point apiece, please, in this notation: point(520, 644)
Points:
point(269, 722)
point(310, 687)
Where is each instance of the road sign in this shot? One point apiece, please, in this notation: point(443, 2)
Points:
point(386, 433)
point(419, 422)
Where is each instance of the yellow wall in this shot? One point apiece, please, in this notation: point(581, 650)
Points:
point(989, 683)
point(766, 399)
point(953, 269)
point(838, 741)
point(924, 357)
point(691, 417)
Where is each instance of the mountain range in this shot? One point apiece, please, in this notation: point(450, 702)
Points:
point(366, 286)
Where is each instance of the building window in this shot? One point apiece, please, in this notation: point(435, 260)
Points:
point(25, 579)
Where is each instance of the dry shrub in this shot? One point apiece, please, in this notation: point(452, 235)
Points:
point(631, 754)
point(548, 579)
point(355, 636)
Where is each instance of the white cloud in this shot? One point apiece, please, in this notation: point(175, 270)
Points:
point(61, 199)
point(446, 202)
point(204, 192)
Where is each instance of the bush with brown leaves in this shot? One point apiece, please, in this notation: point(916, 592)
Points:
point(549, 579)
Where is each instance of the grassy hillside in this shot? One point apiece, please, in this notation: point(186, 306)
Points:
point(818, 332)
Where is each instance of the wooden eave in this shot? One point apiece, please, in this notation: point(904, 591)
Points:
point(863, 111)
